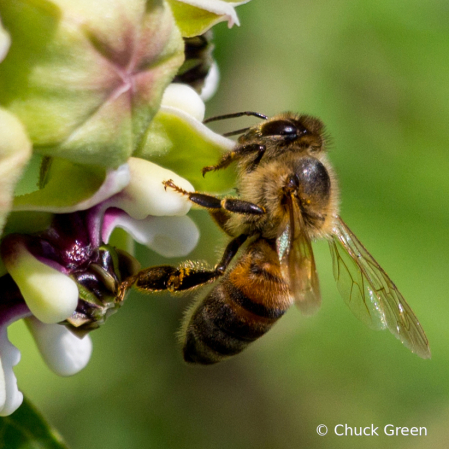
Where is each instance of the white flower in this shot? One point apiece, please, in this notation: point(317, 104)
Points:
point(46, 269)
point(44, 288)
point(57, 268)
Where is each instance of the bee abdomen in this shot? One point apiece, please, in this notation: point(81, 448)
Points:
point(225, 323)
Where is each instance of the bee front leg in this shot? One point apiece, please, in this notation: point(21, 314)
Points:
point(236, 154)
point(176, 279)
point(211, 202)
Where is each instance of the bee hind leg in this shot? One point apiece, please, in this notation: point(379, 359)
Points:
point(151, 279)
point(176, 279)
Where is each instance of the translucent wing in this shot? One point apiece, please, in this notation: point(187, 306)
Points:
point(298, 264)
point(371, 294)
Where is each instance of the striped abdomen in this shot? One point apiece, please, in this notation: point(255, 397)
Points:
point(240, 309)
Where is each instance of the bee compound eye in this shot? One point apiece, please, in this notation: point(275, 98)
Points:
point(280, 128)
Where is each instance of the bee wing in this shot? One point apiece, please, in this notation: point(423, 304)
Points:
point(298, 264)
point(371, 294)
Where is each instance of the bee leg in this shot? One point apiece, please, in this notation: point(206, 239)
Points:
point(241, 207)
point(236, 154)
point(176, 279)
point(211, 202)
point(221, 218)
point(258, 158)
point(229, 252)
point(185, 278)
point(155, 278)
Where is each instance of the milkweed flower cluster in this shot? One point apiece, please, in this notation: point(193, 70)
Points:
point(91, 123)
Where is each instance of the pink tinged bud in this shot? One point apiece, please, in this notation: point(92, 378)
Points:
point(50, 295)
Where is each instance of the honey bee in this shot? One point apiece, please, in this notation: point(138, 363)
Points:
point(287, 197)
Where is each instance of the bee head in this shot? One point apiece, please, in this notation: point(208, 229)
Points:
point(296, 131)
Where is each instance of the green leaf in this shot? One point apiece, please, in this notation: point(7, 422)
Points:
point(27, 429)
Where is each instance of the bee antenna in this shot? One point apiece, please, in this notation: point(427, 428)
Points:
point(236, 114)
point(234, 133)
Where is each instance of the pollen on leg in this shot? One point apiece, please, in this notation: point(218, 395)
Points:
point(175, 280)
point(183, 272)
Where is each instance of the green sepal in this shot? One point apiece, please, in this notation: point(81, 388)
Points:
point(193, 21)
point(66, 184)
point(173, 142)
point(15, 152)
point(27, 222)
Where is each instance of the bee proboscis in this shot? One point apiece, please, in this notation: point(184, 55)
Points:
point(287, 197)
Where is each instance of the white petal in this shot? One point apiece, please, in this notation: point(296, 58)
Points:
point(64, 353)
point(145, 194)
point(182, 96)
point(5, 42)
point(10, 396)
point(211, 83)
point(50, 295)
point(168, 236)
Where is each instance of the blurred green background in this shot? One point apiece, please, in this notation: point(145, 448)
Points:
point(377, 73)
